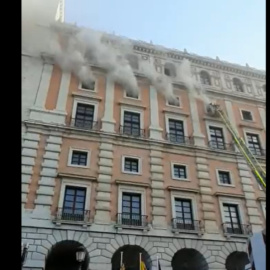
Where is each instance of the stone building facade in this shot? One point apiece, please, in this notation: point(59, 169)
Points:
point(164, 179)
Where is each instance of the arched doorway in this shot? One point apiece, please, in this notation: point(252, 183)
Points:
point(189, 259)
point(237, 261)
point(131, 258)
point(62, 256)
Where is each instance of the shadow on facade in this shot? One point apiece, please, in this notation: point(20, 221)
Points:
point(131, 258)
point(189, 259)
point(62, 256)
point(237, 261)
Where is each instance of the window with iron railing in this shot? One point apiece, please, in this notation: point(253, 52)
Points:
point(254, 144)
point(131, 124)
point(176, 131)
point(232, 219)
point(216, 138)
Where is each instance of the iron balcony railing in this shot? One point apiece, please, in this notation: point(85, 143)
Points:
point(188, 225)
point(84, 124)
point(73, 215)
point(258, 151)
point(221, 145)
point(238, 229)
point(132, 131)
point(178, 139)
point(134, 220)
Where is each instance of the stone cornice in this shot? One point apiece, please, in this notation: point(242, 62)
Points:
point(199, 60)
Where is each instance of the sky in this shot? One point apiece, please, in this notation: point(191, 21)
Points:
point(233, 30)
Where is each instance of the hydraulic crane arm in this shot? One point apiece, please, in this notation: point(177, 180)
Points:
point(253, 163)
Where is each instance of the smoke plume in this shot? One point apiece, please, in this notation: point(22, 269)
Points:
point(72, 48)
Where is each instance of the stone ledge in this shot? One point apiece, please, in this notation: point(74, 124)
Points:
point(123, 182)
point(192, 190)
point(225, 194)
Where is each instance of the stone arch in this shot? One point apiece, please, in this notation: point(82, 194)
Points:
point(238, 85)
point(189, 259)
point(131, 257)
point(205, 77)
point(169, 70)
point(62, 256)
point(237, 260)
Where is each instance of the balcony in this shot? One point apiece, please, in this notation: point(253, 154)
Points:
point(84, 124)
point(133, 132)
point(221, 146)
point(235, 229)
point(70, 216)
point(131, 221)
point(194, 227)
point(179, 139)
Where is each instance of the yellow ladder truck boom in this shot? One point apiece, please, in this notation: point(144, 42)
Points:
point(253, 163)
point(256, 243)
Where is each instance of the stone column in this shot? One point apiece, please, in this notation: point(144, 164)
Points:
point(157, 184)
point(29, 154)
point(208, 208)
point(108, 123)
point(251, 204)
point(44, 86)
point(154, 129)
point(262, 115)
point(63, 92)
point(103, 198)
point(48, 174)
point(197, 134)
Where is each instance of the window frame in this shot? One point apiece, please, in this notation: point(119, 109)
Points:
point(71, 149)
point(242, 117)
point(88, 90)
point(218, 125)
point(172, 171)
point(131, 189)
point(254, 133)
point(209, 77)
point(184, 196)
point(132, 110)
point(132, 98)
point(180, 103)
point(231, 178)
point(176, 117)
point(75, 183)
point(232, 201)
point(82, 101)
point(139, 165)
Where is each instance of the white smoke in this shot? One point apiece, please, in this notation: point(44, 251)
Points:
point(72, 48)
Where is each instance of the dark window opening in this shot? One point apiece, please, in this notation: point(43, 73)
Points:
point(131, 209)
point(131, 94)
point(74, 203)
point(224, 177)
point(254, 144)
point(183, 214)
point(174, 102)
point(238, 86)
point(179, 171)
point(205, 78)
point(232, 219)
point(131, 165)
point(84, 116)
point(176, 131)
point(217, 138)
point(169, 70)
point(131, 123)
point(247, 115)
point(89, 85)
point(79, 158)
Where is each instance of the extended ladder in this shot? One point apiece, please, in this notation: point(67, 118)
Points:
point(255, 166)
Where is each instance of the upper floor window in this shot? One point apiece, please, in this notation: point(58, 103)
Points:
point(88, 85)
point(84, 116)
point(238, 85)
point(183, 214)
point(247, 115)
point(131, 94)
point(174, 102)
point(133, 61)
point(254, 144)
point(131, 123)
point(131, 165)
point(79, 158)
point(224, 178)
point(205, 78)
point(176, 131)
point(216, 137)
point(169, 70)
point(74, 203)
point(179, 171)
point(232, 218)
